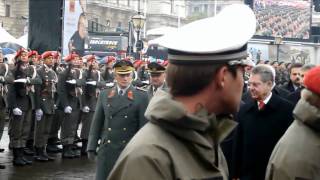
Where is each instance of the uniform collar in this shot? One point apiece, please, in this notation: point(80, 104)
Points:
point(124, 90)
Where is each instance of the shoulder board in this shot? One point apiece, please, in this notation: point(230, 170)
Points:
point(141, 89)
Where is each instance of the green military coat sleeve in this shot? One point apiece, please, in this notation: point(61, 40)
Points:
point(97, 123)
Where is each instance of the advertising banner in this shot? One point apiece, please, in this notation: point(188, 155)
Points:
point(75, 25)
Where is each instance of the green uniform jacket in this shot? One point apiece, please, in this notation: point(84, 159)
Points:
point(297, 154)
point(7, 79)
point(45, 93)
point(89, 95)
point(175, 145)
point(69, 94)
point(116, 120)
point(21, 95)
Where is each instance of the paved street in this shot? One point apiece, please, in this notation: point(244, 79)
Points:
point(60, 169)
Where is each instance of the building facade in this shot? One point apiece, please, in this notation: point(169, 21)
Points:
point(14, 16)
point(114, 15)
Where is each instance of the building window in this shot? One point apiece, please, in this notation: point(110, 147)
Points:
point(7, 10)
point(196, 9)
point(119, 27)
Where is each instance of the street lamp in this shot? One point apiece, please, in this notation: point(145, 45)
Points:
point(278, 41)
point(138, 21)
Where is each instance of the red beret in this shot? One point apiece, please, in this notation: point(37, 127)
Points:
point(47, 54)
point(312, 80)
point(110, 59)
point(137, 62)
point(33, 53)
point(70, 57)
point(55, 54)
point(20, 51)
point(165, 63)
point(91, 58)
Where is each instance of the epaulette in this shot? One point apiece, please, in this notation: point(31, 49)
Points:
point(141, 89)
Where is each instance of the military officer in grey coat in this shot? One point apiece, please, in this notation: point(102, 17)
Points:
point(45, 100)
point(21, 104)
point(118, 116)
point(157, 78)
point(91, 89)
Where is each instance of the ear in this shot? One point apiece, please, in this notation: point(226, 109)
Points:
point(270, 83)
point(221, 77)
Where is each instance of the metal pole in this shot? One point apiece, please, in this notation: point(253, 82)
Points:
point(129, 38)
point(278, 45)
point(138, 43)
point(145, 15)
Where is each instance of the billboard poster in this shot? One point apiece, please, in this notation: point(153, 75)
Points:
point(290, 19)
point(291, 53)
point(75, 25)
point(107, 43)
point(258, 51)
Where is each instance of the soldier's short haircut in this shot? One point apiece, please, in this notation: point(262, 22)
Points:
point(186, 80)
point(307, 67)
point(265, 71)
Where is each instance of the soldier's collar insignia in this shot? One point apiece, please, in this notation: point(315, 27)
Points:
point(112, 93)
point(130, 95)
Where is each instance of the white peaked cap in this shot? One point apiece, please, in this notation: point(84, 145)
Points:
point(212, 40)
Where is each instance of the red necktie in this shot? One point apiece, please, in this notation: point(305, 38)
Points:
point(261, 105)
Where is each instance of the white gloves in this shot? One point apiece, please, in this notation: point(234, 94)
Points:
point(39, 114)
point(111, 84)
point(73, 81)
point(68, 110)
point(145, 82)
point(23, 80)
point(94, 83)
point(85, 109)
point(17, 112)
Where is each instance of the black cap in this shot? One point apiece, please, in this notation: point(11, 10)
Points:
point(156, 68)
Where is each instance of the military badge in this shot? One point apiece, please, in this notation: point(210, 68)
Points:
point(111, 93)
point(130, 95)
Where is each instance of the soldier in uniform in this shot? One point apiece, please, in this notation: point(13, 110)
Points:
point(118, 116)
point(205, 78)
point(157, 78)
point(107, 72)
point(34, 62)
point(34, 58)
point(21, 104)
point(54, 140)
point(44, 106)
point(4, 80)
point(69, 91)
point(141, 76)
point(93, 83)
